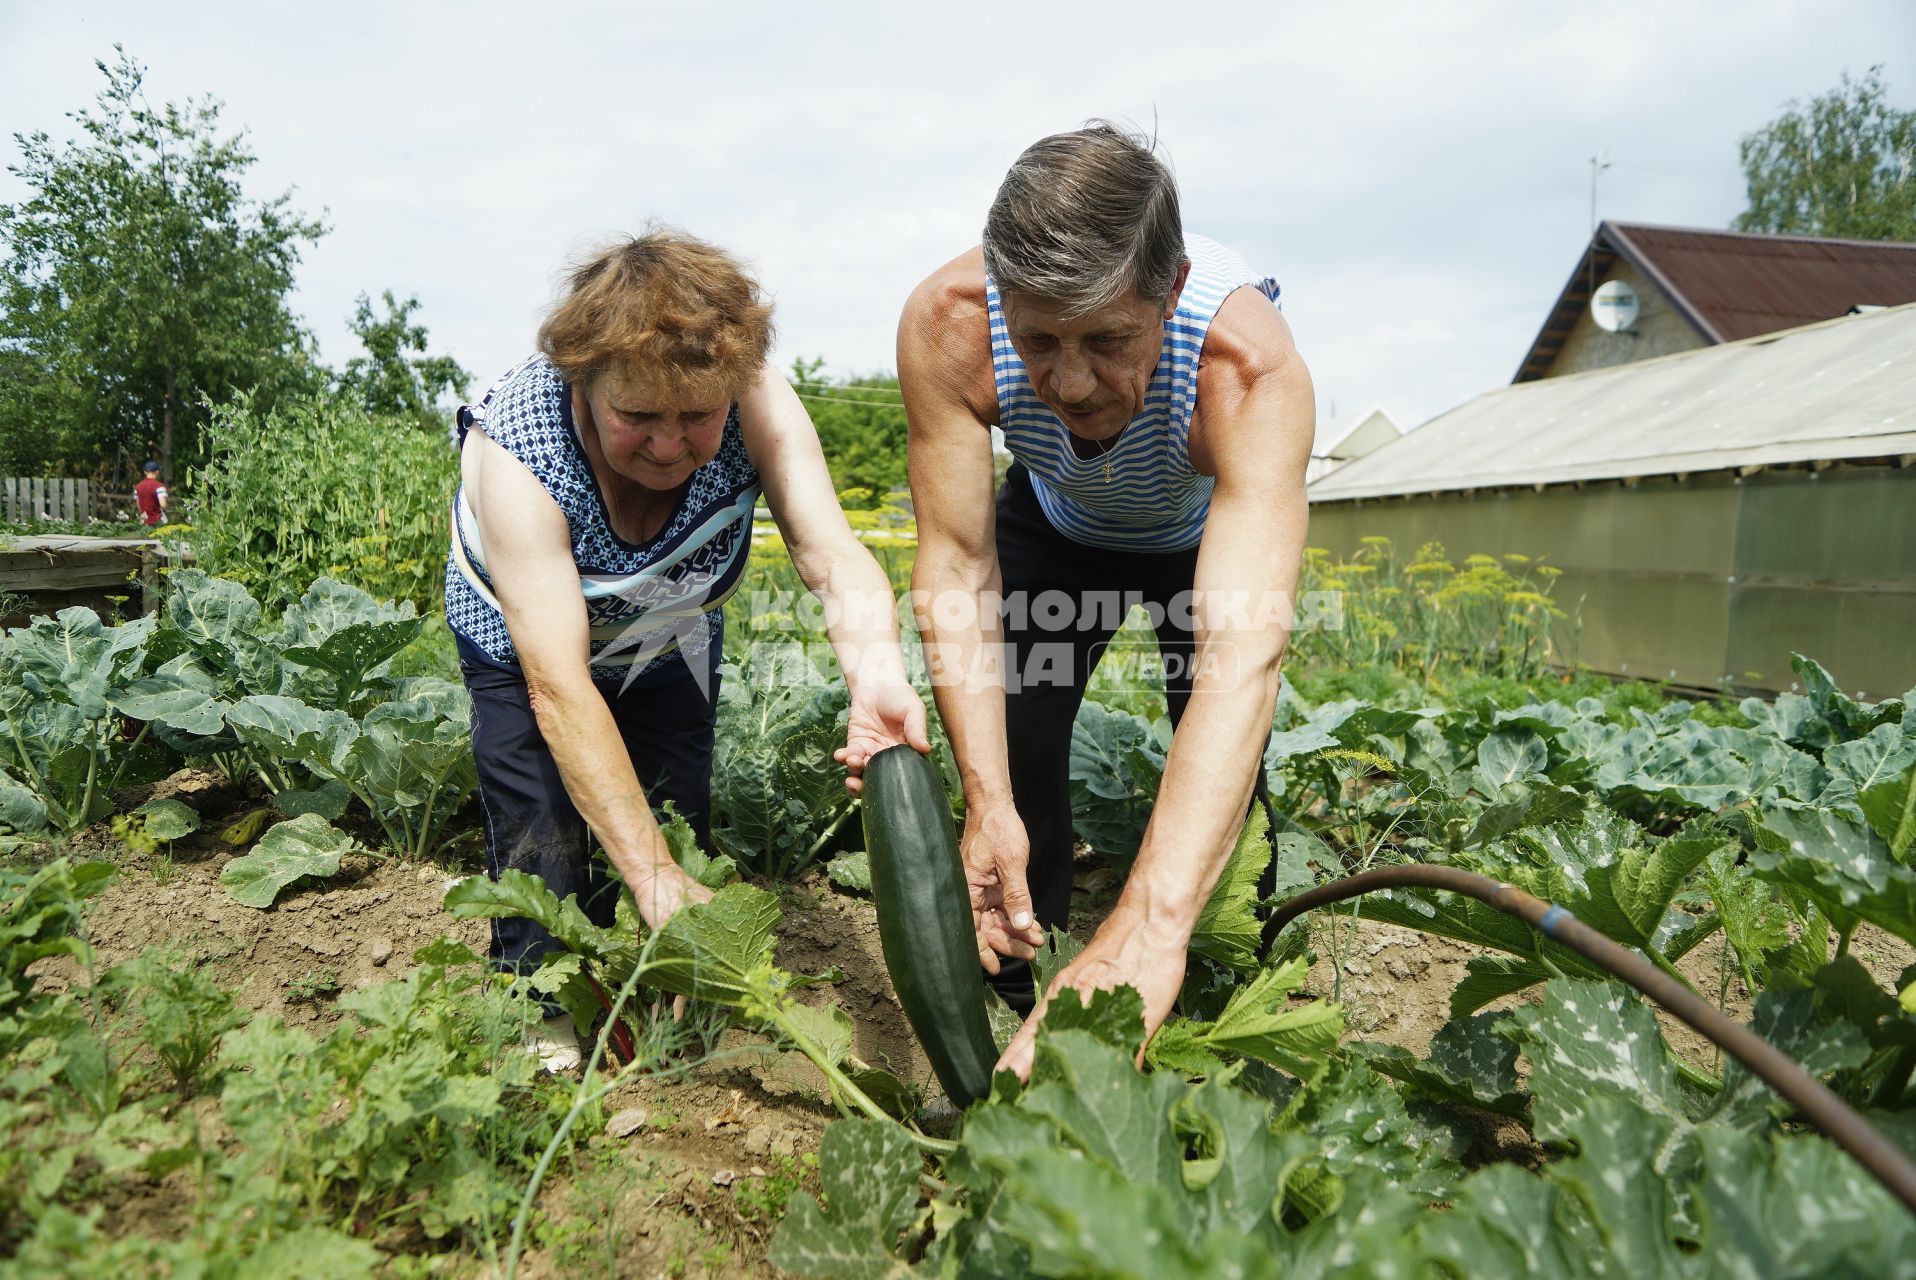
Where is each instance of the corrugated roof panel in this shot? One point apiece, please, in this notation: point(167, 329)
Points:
point(1845, 388)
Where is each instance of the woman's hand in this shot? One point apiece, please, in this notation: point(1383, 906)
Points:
point(883, 714)
point(660, 893)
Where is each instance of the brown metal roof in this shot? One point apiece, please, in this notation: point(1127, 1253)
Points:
point(1734, 284)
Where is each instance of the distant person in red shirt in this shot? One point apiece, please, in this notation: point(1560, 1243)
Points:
point(151, 495)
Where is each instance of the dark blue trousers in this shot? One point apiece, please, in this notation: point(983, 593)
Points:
point(532, 824)
point(1034, 558)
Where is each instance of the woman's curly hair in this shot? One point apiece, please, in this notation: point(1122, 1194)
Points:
point(674, 314)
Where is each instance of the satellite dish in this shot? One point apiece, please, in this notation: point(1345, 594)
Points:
point(1614, 306)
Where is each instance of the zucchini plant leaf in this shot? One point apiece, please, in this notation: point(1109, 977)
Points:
point(316, 1253)
point(1260, 1022)
point(868, 1173)
point(1792, 1021)
point(1637, 1210)
point(1797, 1206)
point(1504, 1221)
point(1755, 923)
point(1356, 1121)
point(711, 871)
point(1587, 1039)
point(1470, 1064)
point(1058, 950)
point(720, 950)
point(1228, 930)
point(1590, 1041)
point(1603, 869)
point(1842, 864)
point(1115, 1017)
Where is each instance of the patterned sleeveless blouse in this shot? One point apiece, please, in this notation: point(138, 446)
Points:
point(649, 604)
point(1143, 495)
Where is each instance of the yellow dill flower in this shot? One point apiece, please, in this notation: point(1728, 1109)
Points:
point(1371, 758)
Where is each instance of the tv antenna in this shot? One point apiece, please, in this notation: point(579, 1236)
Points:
point(1598, 163)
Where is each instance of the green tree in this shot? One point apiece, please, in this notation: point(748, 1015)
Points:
point(140, 282)
point(396, 378)
point(1844, 165)
point(861, 424)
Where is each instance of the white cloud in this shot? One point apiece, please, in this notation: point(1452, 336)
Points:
point(1416, 174)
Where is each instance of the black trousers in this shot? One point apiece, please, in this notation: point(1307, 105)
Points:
point(1034, 558)
point(532, 824)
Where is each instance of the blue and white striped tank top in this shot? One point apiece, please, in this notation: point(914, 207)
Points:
point(1143, 495)
point(646, 601)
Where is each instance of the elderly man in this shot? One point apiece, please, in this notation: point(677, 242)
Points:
point(1160, 420)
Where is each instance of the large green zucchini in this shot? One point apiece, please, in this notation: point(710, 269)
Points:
point(924, 919)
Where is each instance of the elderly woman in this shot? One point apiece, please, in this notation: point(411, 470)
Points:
point(604, 515)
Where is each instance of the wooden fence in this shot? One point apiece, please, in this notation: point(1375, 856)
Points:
point(23, 501)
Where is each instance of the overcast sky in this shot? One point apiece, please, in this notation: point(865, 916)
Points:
point(1416, 175)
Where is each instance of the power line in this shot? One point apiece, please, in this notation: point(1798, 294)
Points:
point(843, 386)
point(869, 404)
point(833, 392)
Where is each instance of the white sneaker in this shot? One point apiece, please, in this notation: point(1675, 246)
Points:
point(556, 1045)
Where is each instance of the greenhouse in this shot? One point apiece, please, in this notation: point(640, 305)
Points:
point(1712, 511)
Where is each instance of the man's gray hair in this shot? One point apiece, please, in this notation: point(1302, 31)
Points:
point(1083, 218)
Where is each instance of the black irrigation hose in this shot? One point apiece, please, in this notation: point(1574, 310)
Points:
point(1812, 1100)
